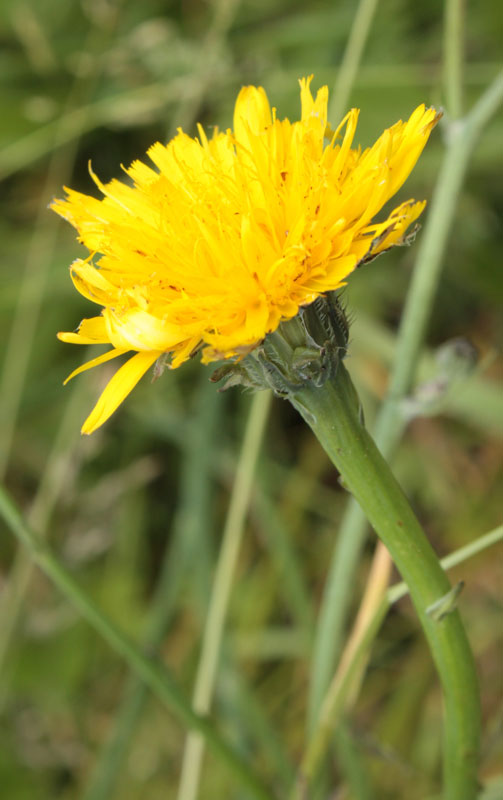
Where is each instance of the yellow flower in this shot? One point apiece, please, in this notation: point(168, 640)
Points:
point(232, 234)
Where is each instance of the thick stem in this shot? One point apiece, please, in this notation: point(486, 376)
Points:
point(346, 680)
point(390, 423)
point(333, 415)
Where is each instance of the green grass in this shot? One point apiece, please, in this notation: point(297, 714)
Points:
point(136, 511)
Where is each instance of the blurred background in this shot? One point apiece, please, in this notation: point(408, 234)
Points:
point(100, 80)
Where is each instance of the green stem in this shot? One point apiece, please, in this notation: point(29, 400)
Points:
point(154, 675)
point(343, 683)
point(399, 590)
point(390, 422)
point(332, 412)
point(220, 595)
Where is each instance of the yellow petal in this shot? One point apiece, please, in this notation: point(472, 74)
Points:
point(135, 329)
point(90, 331)
point(398, 222)
point(408, 146)
point(313, 107)
point(91, 283)
point(306, 97)
point(252, 114)
point(95, 362)
point(225, 236)
point(124, 380)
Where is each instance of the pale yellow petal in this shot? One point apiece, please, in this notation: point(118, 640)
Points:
point(135, 329)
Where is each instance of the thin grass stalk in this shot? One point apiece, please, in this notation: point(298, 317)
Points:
point(347, 680)
point(391, 422)
point(41, 251)
point(220, 595)
point(20, 341)
point(454, 559)
point(479, 402)
point(61, 461)
point(351, 59)
point(150, 671)
point(242, 702)
point(224, 12)
point(375, 590)
point(353, 764)
point(353, 662)
point(75, 122)
point(346, 683)
point(454, 20)
point(192, 520)
point(291, 579)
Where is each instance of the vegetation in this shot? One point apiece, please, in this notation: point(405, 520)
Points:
point(136, 513)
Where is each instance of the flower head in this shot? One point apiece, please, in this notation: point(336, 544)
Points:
point(233, 234)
